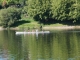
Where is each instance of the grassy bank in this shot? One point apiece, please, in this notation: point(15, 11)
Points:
point(27, 22)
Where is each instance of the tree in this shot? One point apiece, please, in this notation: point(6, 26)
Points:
point(65, 10)
point(4, 3)
point(9, 16)
point(39, 9)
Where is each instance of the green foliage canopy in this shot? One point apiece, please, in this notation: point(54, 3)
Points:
point(39, 9)
point(42, 10)
point(57, 10)
point(9, 16)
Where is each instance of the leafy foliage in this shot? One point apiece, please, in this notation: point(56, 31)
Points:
point(43, 10)
point(9, 16)
point(61, 10)
point(39, 9)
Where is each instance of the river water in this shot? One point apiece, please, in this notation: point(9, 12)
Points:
point(57, 45)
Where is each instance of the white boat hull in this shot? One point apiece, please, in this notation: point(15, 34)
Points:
point(41, 32)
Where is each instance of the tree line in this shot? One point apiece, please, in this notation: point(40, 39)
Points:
point(41, 10)
point(54, 9)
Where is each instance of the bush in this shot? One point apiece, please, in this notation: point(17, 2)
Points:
point(9, 16)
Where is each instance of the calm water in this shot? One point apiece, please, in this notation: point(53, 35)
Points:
point(57, 45)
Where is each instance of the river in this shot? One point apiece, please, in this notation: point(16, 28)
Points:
point(57, 45)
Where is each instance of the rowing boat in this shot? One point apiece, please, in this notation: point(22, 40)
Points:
point(38, 32)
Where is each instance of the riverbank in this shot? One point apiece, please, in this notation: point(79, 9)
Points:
point(61, 27)
point(26, 23)
point(11, 28)
point(46, 28)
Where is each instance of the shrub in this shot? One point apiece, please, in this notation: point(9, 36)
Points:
point(9, 16)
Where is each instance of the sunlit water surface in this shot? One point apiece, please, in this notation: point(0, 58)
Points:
point(57, 45)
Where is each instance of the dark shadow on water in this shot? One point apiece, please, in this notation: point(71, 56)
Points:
point(20, 23)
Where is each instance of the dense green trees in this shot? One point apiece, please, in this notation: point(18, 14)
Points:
point(9, 13)
point(46, 10)
point(9, 16)
point(64, 10)
point(12, 2)
point(39, 9)
point(58, 10)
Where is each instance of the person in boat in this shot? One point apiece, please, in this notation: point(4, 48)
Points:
point(28, 29)
point(41, 27)
point(33, 29)
point(24, 30)
point(36, 30)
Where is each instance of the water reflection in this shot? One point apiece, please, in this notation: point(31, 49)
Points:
point(10, 47)
point(53, 46)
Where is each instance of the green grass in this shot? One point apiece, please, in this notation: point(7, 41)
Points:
point(26, 22)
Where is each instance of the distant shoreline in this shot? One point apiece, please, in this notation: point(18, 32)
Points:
point(11, 28)
point(62, 27)
point(47, 28)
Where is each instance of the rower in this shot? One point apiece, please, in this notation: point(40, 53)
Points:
point(37, 33)
point(41, 27)
point(28, 29)
point(36, 30)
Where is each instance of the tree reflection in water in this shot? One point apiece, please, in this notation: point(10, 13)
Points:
point(52, 46)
